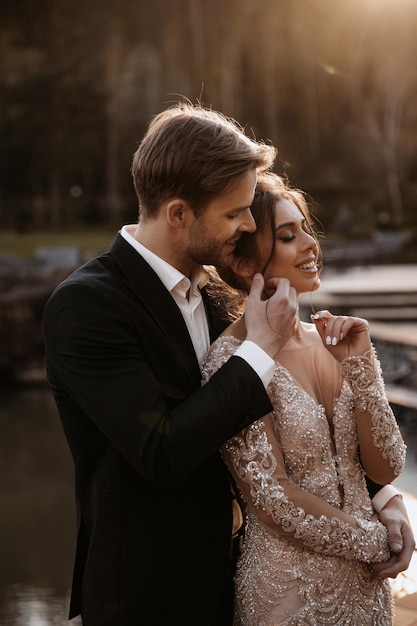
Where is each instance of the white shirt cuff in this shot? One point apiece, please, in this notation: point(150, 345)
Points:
point(383, 496)
point(258, 359)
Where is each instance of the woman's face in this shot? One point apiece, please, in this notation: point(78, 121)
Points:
point(296, 250)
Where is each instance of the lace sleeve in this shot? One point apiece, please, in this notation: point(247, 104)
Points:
point(254, 457)
point(365, 378)
point(219, 352)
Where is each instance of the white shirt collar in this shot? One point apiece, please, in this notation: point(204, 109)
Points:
point(169, 275)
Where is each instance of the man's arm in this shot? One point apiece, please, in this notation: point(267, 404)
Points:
point(103, 365)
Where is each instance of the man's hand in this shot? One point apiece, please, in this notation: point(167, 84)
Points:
point(271, 322)
point(394, 517)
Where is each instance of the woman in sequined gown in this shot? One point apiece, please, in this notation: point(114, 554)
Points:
point(311, 536)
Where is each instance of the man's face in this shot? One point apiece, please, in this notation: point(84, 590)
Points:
point(213, 235)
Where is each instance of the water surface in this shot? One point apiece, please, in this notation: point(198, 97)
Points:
point(37, 521)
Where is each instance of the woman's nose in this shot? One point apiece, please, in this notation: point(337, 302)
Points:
point(310, 241)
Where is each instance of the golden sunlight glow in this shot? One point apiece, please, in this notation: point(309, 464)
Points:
point(386, 8)
point(395, 4)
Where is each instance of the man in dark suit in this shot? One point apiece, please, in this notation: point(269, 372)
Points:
point(125, 337)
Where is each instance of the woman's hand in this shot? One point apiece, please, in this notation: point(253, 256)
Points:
point(342, 335)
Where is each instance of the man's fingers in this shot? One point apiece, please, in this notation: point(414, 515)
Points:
point(399, 560)
point(401, 538)
point(391, 568)
point(273, 285)
point(388, 569)
point(396, 541)
point(270, 322)
point(257, 286)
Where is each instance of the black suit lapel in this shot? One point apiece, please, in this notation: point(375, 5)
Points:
point(148, 288)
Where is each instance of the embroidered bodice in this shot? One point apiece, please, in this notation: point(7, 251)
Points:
point(298, 470)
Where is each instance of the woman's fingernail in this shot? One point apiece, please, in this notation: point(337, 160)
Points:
point(341, 336)
point(334, 341)
point(328, 341)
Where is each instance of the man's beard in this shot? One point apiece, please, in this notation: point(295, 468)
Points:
point(205, 250)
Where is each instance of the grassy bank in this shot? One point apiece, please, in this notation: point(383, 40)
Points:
point(27, 244)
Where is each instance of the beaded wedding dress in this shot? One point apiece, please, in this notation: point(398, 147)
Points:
point(309, 537)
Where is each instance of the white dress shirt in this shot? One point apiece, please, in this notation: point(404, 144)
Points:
point(193, 310)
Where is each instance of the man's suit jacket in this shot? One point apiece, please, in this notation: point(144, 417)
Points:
point(153, 497)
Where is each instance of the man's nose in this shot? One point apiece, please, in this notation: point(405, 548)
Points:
point(248, 223)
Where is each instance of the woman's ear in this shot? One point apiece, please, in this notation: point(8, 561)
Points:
point(246, 268)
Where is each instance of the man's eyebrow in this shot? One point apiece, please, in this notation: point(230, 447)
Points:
point(241, 208)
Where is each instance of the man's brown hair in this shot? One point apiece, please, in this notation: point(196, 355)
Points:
point(193, 153)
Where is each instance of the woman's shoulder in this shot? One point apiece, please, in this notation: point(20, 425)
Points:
point(237, 330)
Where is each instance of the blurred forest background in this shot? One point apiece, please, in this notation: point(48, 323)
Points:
point(332, 84)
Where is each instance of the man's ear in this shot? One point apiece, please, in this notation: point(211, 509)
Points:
point(246, 268)
point(178, 213)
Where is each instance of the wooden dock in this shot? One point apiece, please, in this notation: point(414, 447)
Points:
point(387, 297)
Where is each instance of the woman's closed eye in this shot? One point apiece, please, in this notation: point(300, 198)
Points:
point(286, 237)
point(289, 233)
